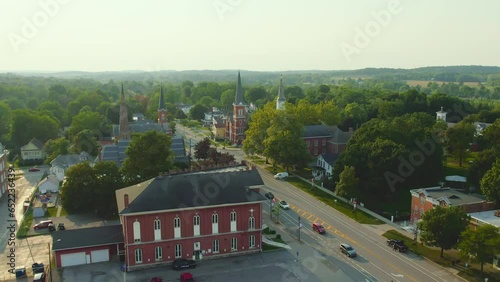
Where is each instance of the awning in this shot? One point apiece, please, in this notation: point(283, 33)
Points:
point(456, 178)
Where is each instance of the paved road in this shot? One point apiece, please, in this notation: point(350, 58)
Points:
point(375, 261)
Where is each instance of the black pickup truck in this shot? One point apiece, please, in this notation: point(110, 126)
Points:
point(397, 245)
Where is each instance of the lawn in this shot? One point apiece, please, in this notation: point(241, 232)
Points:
point(328, 199)
point(472, 274)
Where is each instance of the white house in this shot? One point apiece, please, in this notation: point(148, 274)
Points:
point(324, 165)
point(33, 150)
point(49, 184)
point(61, 163)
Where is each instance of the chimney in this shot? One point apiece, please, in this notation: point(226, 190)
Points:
point(125, 200)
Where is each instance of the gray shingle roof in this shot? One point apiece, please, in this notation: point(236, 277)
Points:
point(35, 142)
point(191, 190)
point(318, 130)
point(87, 237)
point(69, 160)
point(330, 158)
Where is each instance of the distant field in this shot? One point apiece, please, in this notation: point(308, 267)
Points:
point(425, 82)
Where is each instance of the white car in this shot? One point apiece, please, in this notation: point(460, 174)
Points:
point(284, 205)
point(281, 175)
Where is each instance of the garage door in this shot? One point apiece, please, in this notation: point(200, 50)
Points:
point(101, 255)
point(73, 259)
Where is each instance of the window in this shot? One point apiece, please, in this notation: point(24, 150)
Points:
point(158, 253)
point(137, 231)
point(251, 243)
point(196, 225)
point(233, 221)
point(234, 244)
point(308, 143)
point(177, 227)
point(315, 143)
point(315, 151)
point(215, 246)
point(251, 222)
point(323, 142)
point(157, 229)
point(138, 255)
point(178, 251)
point(215, 223)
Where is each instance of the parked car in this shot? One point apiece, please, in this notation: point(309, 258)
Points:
point(37, 267)
point(34, 169)
point(397, 245)
point(183, 263)
point(348, 250)
point(39, 277)
point(52, 227)
point(318, 228)
point(284, 205)
point(269, 195)
point(281, 175)
point(187, 277)
point(156, 279)
point(43, 224)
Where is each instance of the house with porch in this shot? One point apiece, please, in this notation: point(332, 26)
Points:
point(33, 151)
point(61, 163)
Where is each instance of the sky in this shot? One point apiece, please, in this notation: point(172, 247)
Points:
point(259, 35)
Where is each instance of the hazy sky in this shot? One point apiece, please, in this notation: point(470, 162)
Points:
point(266, 35)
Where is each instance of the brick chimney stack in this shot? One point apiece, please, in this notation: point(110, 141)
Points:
point(125, 200)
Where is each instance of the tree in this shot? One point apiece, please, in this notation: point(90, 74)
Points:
point(197, 112)
point(55, 147)
point(482, 163)
point(202, 149)
point(256, 133)
point(86, 141)
point(255, 93)
point(347, 186)
point(284, 144)
point(92, 121)
point(442, 226)
point(5, 117)
point(148, 155)
point(109, 179)
point(459, 138)
point(27, 124)
point(490, 183)
point(77, 194)
point(481, 244)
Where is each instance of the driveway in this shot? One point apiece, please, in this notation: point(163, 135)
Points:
point(269, 266)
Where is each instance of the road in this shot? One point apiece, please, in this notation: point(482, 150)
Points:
point(375, 261)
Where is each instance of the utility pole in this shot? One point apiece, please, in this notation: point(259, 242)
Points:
point(50, 264)
point(299, 230)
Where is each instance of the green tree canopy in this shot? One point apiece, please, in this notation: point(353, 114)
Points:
point(55, 147)
point(27, 124)
point(441, 227)
point(347, 186)
point(148, 155)
point(202, 149)
point(480, 245)
point(92, 121)
point(197, 112)
point(490, 183)
point(459, 139)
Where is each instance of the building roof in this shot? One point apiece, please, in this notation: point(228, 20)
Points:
point(239, 92)
point(192, 190)
point(451, 196)
point(320, 130)
point(38, 144)
point(487, 217)
point(51, 179)
point(330, 158)
point(456, 178)
point(87, 237)
point(141, 126)
point(66, 161)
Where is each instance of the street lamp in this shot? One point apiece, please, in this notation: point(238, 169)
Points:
point(300, 225)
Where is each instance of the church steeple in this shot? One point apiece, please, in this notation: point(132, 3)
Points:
point(162, 109)
point(280, 101)
point(239, 92)
point(124, 129)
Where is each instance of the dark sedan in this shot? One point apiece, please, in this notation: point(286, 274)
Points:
point(269, 195)
point(183, 263)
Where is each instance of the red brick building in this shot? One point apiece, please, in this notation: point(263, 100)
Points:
point(322, 139)
point(236, 122)
point(425, 199)
point(194, 216)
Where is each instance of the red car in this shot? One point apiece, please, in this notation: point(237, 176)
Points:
point(43, 224)
point(318, 228)
point(34, 169)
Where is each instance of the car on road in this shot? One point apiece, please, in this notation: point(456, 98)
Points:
point(281, 175)
point(397, 245)
point(34, 169)
point(318, 228)
point(284, 205)
point(348, 250)
point(269, 195)
point(43, 224)
point(183, 263)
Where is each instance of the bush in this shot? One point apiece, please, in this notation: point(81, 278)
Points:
point(278, 237)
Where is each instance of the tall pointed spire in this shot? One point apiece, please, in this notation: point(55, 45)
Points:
point(280, 101)
point(124, 129)
point(161, 105)
point(239, 92)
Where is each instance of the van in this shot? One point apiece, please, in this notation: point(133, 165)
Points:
point(281, 175)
